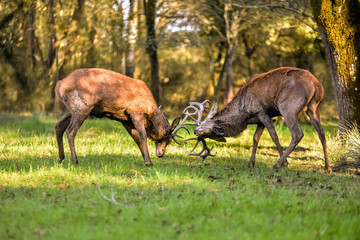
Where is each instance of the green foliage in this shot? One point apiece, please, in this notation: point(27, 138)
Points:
point(189, 42)
point(178, 198)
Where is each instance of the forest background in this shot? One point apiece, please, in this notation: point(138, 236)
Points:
point(184, 50)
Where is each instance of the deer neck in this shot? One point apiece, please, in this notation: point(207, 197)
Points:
point(158, 126)
point(232, 119)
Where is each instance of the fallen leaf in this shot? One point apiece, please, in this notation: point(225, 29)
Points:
point(163, 208)
point(40, 231)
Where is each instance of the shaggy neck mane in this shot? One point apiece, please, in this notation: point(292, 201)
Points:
point(232, 119)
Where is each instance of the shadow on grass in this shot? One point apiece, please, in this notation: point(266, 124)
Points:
point(85, 162)
point(38, 124)
point(347, 166)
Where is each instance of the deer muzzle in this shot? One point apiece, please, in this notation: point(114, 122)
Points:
point(160, 149)
point(202, 132)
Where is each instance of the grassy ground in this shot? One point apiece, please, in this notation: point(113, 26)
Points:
point(179, 198)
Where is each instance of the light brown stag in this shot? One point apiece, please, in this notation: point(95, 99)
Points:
point(103, 93)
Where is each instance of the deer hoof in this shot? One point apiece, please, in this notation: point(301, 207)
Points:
point(276, 166)
point(149, 164)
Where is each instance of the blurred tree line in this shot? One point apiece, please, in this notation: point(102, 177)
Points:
point(184, 50)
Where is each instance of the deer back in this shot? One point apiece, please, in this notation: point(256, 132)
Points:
point(268, 90)
point(110, 91)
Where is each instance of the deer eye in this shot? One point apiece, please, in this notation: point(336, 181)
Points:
point(218, 131)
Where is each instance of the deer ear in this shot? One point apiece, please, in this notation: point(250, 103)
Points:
point(212, 111)
point(175, 123)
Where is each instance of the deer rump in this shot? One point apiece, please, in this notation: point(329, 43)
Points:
point(103, 93)
point(281, 92)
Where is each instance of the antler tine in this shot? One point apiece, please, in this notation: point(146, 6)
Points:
point(205, 149)
point(198, 108)
point(180, 126)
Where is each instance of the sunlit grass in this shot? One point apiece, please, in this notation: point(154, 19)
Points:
point(179, 197)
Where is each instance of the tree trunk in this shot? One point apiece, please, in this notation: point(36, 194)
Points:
point(221, 75)
point(132, 36)
point(249, 51)
point(91, 57)
point(74, 27)
point(52, 34)
point(229, 90)
point(51, 54)
point(30, 34)
point(232, 21)
point(339, 27)
point(151, 48)
point(76, 20)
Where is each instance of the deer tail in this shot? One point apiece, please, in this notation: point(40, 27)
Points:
point(319, 93)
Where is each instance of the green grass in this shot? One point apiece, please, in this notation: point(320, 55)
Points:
point(179, 198)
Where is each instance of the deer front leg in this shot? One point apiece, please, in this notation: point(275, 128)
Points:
point(268, 123)
point(259, 130)
point(138, 133)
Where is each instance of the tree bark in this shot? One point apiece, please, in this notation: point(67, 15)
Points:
point(76, 20)
point(249, 51)
point(132, 36)
point(232, 21)
point(30, 34)
point(51, 54)
point(151, 48)
point(229, 90)
point(339, 27)
point(52, 34)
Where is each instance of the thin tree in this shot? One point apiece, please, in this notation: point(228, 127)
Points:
point(132, 36)
point(151, 48)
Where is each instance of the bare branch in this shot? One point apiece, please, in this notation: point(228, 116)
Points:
point(307, 24)
point(112, 200)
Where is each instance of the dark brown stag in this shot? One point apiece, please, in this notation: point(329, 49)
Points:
point(282, 92)
point(103, 93)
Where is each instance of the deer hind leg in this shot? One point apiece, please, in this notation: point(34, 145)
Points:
point(60, 128)
point(313, 113)
point(76, 121)
point(258, 132)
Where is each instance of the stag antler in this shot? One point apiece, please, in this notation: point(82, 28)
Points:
point(205, 149)
point(195, 115)
point(198, 109)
